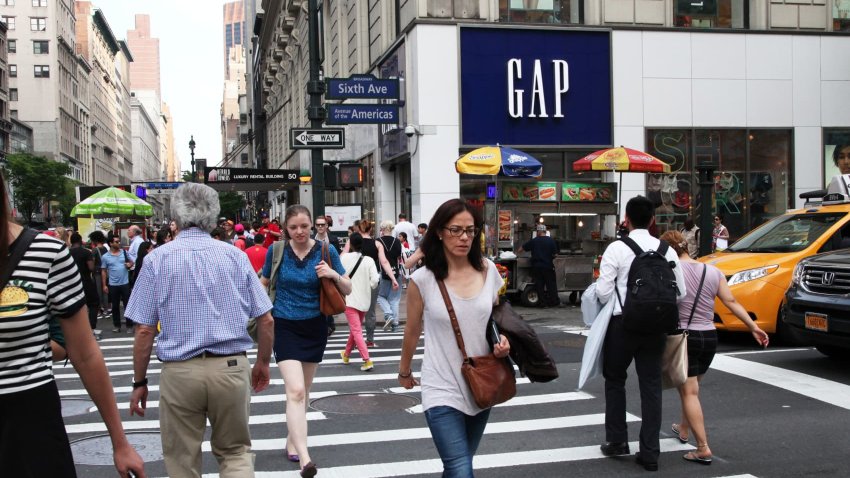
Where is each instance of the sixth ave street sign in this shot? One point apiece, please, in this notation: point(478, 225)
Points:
point(324, 138)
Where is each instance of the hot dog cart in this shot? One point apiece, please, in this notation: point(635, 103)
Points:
point(573, 213)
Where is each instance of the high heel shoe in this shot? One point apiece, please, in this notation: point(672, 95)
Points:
point(309, 470)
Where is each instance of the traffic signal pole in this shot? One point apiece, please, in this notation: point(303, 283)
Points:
point(315, 112)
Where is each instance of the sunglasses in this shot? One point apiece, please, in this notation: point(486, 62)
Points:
point(318, 224)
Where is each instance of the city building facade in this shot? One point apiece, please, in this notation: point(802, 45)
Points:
point(42, 72)
point(167, 151)
point(5, 93)
point(757, 86)
point(145, 147)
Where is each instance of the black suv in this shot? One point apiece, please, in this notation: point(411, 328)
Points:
point(817, 304)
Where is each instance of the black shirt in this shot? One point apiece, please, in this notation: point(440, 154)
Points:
point(392, 249)
point(81, 256)
point(543, 250)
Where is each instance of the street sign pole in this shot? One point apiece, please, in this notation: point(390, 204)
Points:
point(316, 112)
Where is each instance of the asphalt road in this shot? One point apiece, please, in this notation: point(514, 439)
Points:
point(782, 412)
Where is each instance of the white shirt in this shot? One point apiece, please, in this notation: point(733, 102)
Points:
point(365, 279)
point(408, 228)
point(617, 261)
point(133, 251)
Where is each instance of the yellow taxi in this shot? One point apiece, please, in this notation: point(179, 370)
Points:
point(758, 267)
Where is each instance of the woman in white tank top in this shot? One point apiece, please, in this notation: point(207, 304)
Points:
point(452, 254)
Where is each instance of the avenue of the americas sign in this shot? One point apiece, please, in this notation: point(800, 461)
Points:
point(362, 114)
point(362, 87)
point(541, 87)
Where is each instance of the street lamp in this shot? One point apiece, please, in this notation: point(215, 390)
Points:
point(192, 151)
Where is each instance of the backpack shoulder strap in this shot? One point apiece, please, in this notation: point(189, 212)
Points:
point(662, 248)
point(21, 245)
point(632, 245)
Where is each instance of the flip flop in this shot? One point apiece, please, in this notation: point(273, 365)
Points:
point(675, 428)
point(693, 457)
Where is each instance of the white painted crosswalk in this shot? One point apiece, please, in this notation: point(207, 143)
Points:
point(545, 424)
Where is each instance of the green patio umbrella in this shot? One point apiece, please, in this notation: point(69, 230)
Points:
point(112, 201)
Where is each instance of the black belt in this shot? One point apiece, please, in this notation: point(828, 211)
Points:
point(206, 354)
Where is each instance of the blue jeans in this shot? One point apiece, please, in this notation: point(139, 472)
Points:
point(388, 299)
point(456, 436)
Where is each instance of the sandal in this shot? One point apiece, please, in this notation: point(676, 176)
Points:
point(693, 457)
point(675, 428)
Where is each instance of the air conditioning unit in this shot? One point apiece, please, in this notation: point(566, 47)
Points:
point(277, 54)
point(243, 158)
point(243, 138)
point(243, 118)
point(288, 24)
point(292, 6)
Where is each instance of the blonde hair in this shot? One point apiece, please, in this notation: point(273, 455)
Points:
point(387, 225)
point(677, 241)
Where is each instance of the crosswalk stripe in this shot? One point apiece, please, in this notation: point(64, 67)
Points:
point(273, 398)
point(531, 400)
point(810, 386)
point(154, 424)
point(362, 437)
point(480, 462)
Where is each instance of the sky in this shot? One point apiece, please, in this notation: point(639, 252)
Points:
point(191, 54)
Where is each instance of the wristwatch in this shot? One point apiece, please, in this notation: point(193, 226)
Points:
point(141, 383)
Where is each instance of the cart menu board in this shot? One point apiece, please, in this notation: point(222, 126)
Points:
point(506, 230)
point(588, 192)
point(540, 191)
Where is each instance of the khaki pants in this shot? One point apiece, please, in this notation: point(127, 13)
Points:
point(192, 391)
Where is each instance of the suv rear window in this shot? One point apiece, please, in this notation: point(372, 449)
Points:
point(787, 233)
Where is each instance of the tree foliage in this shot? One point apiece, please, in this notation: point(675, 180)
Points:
point(231, 203)
point(36, 180)
point(67, 201)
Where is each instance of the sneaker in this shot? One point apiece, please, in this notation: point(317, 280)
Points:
point(367, 366)
point(116, 329)
point(371, 345)
point(344, 358)
point(388, 322)
point(394, 328)
point(97, 336)
point(130, 329)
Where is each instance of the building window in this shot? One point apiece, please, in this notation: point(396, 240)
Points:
point(13, 94)
point(9, 21)
point(39, 3)
point(541, 11)
point(40, 47)
point(8, 3)
point(752, 179)
point(12, 46)
point(13, 71)
point(42, 71)
point(228, 35)
point(13, 114)
point(841, 15)
point(711, 13)
point(38, 24)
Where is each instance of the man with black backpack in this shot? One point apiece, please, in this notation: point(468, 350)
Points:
point(643, 276)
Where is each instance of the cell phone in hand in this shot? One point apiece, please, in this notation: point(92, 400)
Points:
point(493, 333)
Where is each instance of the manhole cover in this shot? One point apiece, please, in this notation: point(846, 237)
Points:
point(72, 407)
point(364, 403)
point(571, 342)
point(97, 450)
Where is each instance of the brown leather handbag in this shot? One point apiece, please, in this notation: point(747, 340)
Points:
point(331, 301)
point(491, 379)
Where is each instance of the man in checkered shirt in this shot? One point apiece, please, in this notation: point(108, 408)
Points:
point(202, 292)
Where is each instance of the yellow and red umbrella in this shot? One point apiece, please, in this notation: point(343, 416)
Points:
point(622, 159)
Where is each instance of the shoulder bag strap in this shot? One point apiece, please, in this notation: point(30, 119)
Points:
point(326, 255)
point(351, 274)
point(278, 252)
point(22, 244)
point(696, 297)
point(453, 317)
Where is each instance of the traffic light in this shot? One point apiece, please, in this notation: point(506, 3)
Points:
point(331, 177)
point(350, 175)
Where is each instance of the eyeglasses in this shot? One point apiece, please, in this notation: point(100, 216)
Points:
point(717, 219)
point(456, 231)
point(320, 224)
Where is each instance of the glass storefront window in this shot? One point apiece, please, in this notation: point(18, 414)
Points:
point(540, 11)
point(836, 154)
point(841, 15)
point(711, 14)
point(752, 181)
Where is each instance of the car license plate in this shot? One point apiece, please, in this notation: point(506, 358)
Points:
point(817, 322)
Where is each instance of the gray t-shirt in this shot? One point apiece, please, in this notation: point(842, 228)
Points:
point(442, 382)
point(704, 313)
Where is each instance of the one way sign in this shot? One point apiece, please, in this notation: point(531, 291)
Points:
point(324, 138)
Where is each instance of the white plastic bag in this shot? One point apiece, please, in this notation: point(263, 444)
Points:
point(591, 360)
point(590, 305)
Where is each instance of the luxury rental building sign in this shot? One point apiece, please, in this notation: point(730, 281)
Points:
point(526, 87)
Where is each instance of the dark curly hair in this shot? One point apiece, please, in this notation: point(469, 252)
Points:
point(432, 246)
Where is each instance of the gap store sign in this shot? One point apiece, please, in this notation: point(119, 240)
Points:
point(528, 87)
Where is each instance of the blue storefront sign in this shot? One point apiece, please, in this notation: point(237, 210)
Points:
point(362, 87)
point(525, 88)
point(362, 114)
